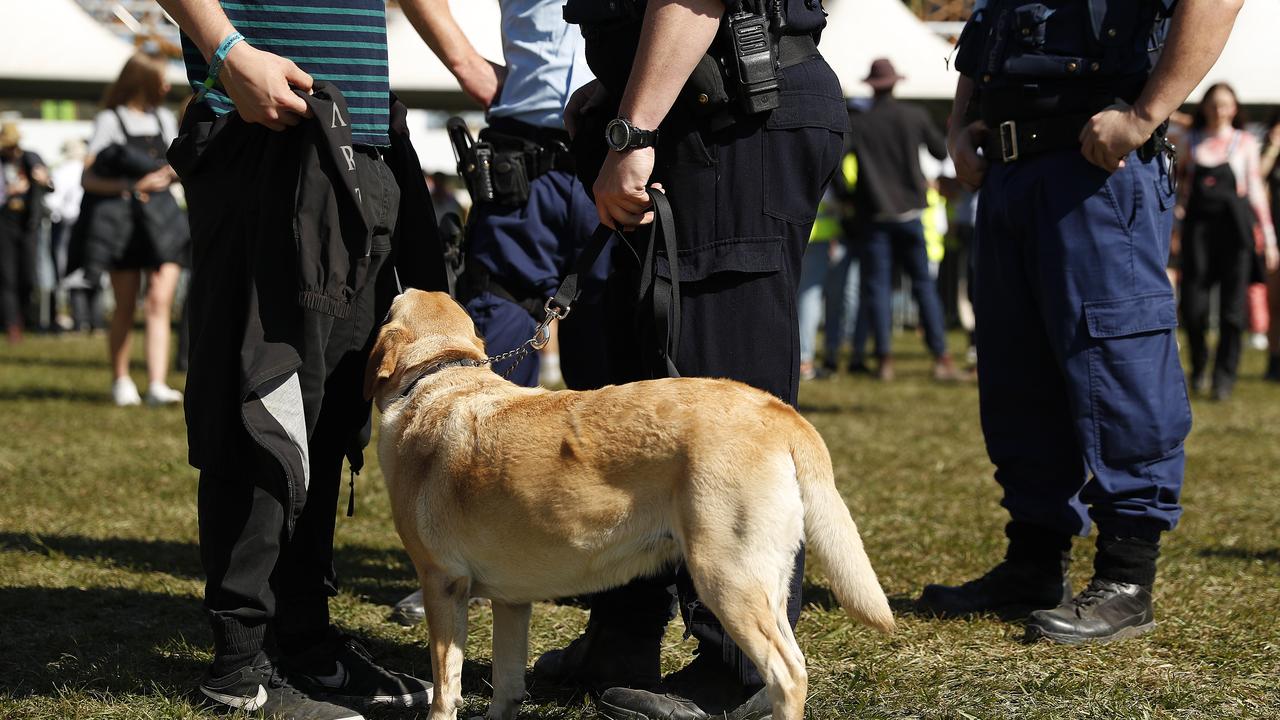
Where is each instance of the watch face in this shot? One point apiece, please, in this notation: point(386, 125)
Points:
point(617, 134)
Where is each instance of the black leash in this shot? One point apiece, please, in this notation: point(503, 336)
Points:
point(666, 292)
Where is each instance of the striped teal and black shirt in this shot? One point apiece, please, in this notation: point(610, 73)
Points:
point(343, 42)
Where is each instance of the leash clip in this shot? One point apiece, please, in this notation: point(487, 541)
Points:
point(554, 312)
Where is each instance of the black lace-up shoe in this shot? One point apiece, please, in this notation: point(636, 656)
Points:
point(1010, 589)
point(699, 691)
point(341, 669)
point(603, 657)
point(262, 688)
point(1104, 611)
point(410, 610)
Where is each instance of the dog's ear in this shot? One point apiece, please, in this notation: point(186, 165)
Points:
point(383, 358)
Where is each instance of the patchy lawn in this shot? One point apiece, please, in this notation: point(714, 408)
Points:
point(100, 579)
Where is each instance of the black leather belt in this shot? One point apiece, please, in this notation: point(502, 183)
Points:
point(1014, 140)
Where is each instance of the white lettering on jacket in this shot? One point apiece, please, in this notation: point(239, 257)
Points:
point(350, 155)
point(337, 119)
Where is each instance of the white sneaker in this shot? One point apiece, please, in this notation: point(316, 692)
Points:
point(160, 394)
point(1258, 341)
point(124, 392)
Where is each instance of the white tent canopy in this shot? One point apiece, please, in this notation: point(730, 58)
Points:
point(54, 41)
point(859, 31)
point(1251, 60)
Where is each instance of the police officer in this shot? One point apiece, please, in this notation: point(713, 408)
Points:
point(524, 238)
point(1083, 401)
point(744, 162)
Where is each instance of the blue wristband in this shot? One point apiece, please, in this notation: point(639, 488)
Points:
point(216, 62)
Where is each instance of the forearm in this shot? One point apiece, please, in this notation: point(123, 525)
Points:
point(960, 105)
point(202, 20)
point(1198, 33)
point(676, 35)
point(436, 25)
point(103, 186)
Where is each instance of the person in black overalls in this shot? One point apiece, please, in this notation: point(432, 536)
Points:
point(744, 172)
point(1084, 408)
point(1218, 245)
point(130, 223)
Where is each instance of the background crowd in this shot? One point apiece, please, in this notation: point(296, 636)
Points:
point(890, 250)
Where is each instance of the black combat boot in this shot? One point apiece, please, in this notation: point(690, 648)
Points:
point(702, 690)
point(1033, 576)
point(602, 657)
point(1116, 605)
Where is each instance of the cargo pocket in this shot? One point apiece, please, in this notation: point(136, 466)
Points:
point(803, 140)
point(1138, 395)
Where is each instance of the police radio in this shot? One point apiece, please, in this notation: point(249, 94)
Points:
point(475, 161)
point(755, 57)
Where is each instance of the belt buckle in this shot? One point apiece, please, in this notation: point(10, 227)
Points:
point(1008, 141)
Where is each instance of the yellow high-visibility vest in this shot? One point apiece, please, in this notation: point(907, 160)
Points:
point(934, 220)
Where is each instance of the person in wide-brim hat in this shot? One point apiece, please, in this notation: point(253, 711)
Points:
point(883, 76)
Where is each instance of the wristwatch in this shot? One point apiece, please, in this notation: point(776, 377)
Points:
point(621, 135)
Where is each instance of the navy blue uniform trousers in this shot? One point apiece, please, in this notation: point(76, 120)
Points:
point(1083, 401)
point(744, 200)
point(528, 249)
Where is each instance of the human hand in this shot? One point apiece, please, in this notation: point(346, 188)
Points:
point(481, 79)
point(1273, 136)
point(963, 143)
point(622, 201)
point(1273, 258)
point(1109, 136)
point(18, 186)
point(261, 85)
point(154, 181)
point(583, 100)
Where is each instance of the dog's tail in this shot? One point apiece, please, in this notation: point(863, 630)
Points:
point(833, 536)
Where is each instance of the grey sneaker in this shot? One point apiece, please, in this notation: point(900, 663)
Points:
point(340, 668)
point(262, 688)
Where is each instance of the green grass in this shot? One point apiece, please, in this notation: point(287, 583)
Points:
point(100, 580)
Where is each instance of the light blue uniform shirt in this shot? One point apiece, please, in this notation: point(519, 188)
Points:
point(545, 62)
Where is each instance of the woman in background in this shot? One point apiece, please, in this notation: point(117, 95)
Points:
point(132, 222)
point(1223, 204)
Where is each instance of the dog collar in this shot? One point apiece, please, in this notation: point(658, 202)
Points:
point(433, 369)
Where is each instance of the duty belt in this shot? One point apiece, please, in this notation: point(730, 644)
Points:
point(795, 49)
point(1013, 140)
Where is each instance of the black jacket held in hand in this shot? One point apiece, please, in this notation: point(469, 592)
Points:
point(330, 230)
point(278, 235)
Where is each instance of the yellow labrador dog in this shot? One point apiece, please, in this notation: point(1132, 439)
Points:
point(521, 494)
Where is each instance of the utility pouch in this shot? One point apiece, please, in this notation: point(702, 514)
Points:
point(755, 61)
point(509, 178)
point(705, 91)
